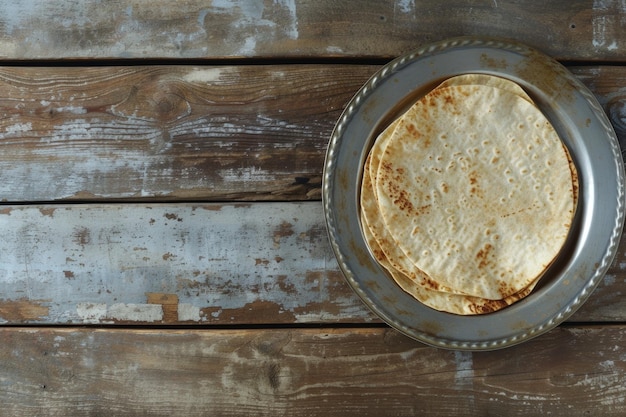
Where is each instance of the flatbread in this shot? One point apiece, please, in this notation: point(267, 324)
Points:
point(369, 201)
point(475, 187)
point(441, 300)
point(391, 255)
point(421, 287)
point(464, 79)
point(487, 80)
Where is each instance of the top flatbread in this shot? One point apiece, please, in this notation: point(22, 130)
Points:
point(466, 79)
point(475, 187)
point(394, 256)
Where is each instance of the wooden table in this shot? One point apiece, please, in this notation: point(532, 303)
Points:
point(163, 245)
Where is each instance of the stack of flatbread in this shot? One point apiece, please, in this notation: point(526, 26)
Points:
point(469, 196)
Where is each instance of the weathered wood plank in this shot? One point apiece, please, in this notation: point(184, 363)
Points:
point(574, 371)
point(573, 30)
point(192, 264)
point(608, 84)
point(171, 264)
point(168, 132)
point(177, 132)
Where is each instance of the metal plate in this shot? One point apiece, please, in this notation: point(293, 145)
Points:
point(581, 124)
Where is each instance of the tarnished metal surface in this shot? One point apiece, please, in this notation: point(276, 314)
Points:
point(583, 127)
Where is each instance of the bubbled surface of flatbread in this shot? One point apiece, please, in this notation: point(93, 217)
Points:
point(440, 300)
point(475, 187)
point(384, 247)
point(393, 254)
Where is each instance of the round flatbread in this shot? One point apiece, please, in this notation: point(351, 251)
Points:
point(475, 187)
point(369, 202)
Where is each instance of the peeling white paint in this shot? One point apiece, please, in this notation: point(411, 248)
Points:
point(598, 39)
point(18, 128)
point(99, 313)
point(292, 26)
point(278, 75)
point(464, 374)
point(251, 24)
point(246, 174)
point(91, 313)
point(136, 312)
point(118, 253)
point(207, 75)
point(527, 397)
point(406, 6)
point(250, 17)
point(606, 23)
point(40, 26)
point(608, 364)
point(88, 171)
point(14, 14)
point(609, 279)
point(9, 49)
point(249, 46)
point(71, 109)
point(334, 49)
point(188, 312)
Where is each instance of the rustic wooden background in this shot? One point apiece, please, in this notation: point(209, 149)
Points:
point(163, 241)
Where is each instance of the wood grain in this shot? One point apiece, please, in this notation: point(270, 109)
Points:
point(192, 264)
point(168, 132)
point(161, 169)
point(90, 29)
point(193, 133)
point(574, 371)
point(263, 263)
point(608, 83)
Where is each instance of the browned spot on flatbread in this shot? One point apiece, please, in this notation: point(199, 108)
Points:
point(410, 127)
point(430, 283)
point(487, 306)
point(505, 289)
point(483, 256)
point(402, 201)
